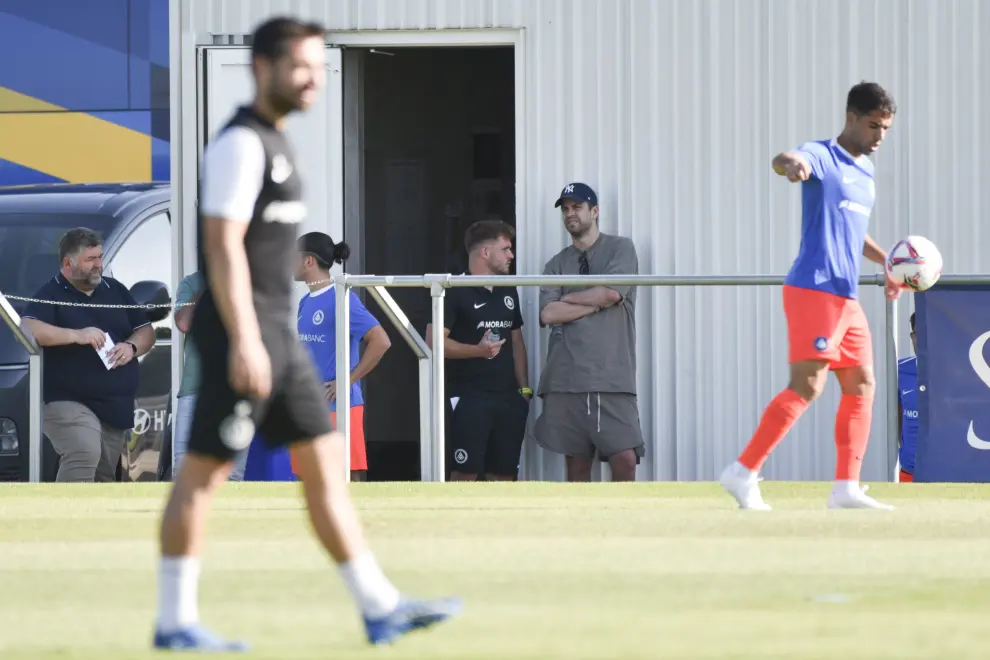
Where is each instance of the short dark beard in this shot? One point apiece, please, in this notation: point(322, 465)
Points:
point(580, 233)
point(282, 104)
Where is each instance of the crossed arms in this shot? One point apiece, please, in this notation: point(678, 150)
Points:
point(559, 308)
point(573, 306)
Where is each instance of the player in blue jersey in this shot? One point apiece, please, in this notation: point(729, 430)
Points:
point(317, 326)
point(827, 329)
point(907, 403)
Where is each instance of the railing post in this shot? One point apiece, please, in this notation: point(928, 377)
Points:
point(35, 390)
point(35, 418)
point(890, 364)
point(423, 356)
point(439, 404)
point(425, 437)
point(343, 379)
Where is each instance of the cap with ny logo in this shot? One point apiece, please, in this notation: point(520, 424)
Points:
point(578, 192)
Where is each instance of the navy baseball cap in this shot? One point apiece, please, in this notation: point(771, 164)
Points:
point(579, 192)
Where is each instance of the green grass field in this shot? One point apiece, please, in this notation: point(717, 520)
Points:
point(546, 570)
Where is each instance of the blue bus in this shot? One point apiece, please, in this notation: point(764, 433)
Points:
point(84, 96)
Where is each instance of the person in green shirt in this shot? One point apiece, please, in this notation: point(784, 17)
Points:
point(190, 289)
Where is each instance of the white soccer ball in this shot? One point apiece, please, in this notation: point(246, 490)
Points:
point(915, 262)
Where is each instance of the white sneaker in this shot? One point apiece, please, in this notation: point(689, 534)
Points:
point(744, 485)
point(848, 496)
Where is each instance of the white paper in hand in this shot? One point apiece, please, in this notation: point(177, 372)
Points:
point(104, 352)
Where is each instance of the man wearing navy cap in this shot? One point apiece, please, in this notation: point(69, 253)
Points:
point(589, 382)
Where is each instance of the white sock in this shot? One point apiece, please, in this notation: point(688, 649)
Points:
point(178, 585)
point(745, 472)
point(846, 486)
point(375, 595)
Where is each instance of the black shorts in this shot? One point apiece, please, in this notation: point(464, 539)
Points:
point(485, 432)
point(295, 410)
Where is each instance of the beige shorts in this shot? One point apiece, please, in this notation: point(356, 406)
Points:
point(88, 450)
point(587, 424)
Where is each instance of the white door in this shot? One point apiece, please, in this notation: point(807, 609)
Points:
point(316, 135)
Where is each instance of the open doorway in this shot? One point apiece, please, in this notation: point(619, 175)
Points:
point(429, 149)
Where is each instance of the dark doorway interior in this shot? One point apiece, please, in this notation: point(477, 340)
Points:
point(438, 153)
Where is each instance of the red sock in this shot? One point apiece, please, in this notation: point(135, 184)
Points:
point(852, 434)
point(777, 420)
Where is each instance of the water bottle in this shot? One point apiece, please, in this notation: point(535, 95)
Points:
point(493, 338)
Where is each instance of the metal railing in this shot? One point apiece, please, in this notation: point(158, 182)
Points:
point(35, 402)
point(424, 361)
point(419, 348)
point(432, 408)
point(431, 363)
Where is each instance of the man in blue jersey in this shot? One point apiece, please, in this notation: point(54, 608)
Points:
point(827, 329)
point(907, 404)
point(317, 325)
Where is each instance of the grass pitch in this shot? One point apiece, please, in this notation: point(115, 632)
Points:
point(546, 570)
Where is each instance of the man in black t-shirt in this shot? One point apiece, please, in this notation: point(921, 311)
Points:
point(254, 371)
point(487, 372)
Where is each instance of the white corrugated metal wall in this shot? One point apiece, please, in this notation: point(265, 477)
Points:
point(672, 110)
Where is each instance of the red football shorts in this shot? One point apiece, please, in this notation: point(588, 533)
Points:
point(827, 327)
point(359, 454)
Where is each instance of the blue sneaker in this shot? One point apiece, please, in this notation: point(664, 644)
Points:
point(408, 616)
point(196, 638)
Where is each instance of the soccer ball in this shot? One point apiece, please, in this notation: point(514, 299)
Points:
point(915, 262)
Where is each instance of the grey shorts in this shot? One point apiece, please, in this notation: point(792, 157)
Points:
point(589, 423)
